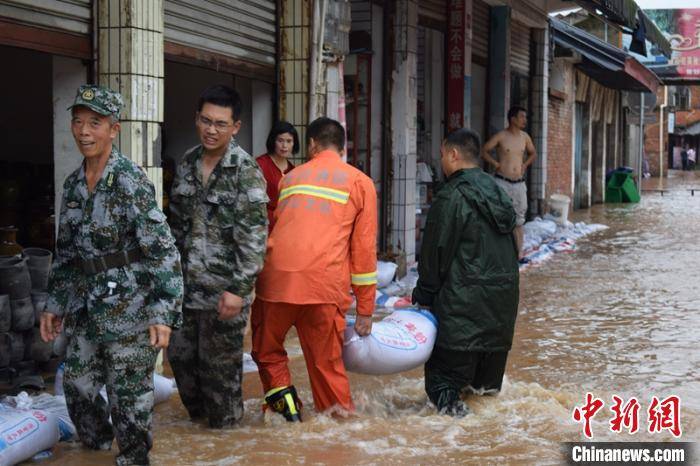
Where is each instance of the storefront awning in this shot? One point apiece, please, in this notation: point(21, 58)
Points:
point(610, 66)
point(690, 130)
point(627, 13)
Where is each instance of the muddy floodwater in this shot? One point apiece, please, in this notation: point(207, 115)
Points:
point(619, 315)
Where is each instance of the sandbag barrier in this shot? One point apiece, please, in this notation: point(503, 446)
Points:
point(543, 238)
point(31, 426)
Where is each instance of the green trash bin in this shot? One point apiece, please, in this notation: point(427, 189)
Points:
point(621, 188)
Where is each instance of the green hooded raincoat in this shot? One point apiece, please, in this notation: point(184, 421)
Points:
point(468, 268)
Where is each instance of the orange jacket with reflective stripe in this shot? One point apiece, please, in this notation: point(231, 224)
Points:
point(324, 239)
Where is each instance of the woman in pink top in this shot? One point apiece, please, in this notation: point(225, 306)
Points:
point(282, 142)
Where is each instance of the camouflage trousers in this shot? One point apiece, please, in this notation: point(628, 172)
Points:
point(126, 368)
point(206, 355)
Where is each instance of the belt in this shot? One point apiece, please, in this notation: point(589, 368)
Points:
point(501, 177)
point(110, 261)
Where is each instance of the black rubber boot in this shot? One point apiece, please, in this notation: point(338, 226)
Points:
point(284, 400)
point(449, 403)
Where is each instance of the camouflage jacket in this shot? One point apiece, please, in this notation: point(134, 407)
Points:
point(120, 215)
point(220, 228)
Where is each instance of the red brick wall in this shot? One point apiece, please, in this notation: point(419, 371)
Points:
point(651, 145)
point(559, 140)
point(651, 137)
point(692, 116)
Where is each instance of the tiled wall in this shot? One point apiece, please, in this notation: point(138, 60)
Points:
point(295, 40)
point(403, 130)
point(130, 41)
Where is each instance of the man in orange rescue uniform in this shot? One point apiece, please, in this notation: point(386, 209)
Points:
point(323, 243)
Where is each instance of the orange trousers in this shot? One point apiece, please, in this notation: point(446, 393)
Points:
point(320, 328)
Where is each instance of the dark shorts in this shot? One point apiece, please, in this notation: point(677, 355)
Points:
point(459, 371)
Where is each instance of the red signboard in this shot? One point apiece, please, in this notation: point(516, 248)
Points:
point(682, 28)
point(455, 64)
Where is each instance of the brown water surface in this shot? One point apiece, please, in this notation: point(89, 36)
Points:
point(620, 315)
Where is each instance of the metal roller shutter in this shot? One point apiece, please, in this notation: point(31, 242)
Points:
point(480, 29)
point(520, 48)
point(72, 16)
point(361, 15)
point(242, 29)
point(433, 9)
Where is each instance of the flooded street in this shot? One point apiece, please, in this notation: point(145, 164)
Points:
point(620, 315)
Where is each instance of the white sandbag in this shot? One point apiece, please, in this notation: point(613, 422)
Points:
point(163, 387)
point(385, 273)
point(248, 364)
point(401, 341)
point(24, 433)
point(56, 405)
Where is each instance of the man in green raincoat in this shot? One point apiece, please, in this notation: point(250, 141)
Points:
point(468, 276)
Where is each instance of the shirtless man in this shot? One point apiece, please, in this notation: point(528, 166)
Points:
point(511, 145)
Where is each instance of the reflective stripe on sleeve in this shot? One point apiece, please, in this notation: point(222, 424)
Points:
point(364, 278)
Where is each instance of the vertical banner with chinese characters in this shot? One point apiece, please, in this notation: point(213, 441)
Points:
point(456, 21)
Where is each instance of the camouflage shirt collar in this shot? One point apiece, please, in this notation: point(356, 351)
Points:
point(107, 178)
point(229, 159)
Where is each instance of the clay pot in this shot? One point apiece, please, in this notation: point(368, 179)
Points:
point(39, 299)
point(22, 314)
point(15, 279)
point(39, 265)
point(8, 241)
point(16, 347)
point(5, 314)
point(26, 367)
point(5, 349)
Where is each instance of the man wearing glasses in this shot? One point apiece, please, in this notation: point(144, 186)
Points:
point(219, 220)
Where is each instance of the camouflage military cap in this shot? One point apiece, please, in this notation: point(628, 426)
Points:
point(102, 100)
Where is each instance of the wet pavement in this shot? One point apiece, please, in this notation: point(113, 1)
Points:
point(620, 315)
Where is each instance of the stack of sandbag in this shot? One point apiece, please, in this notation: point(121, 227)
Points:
point(385, 273)
point(24, 432)
point(56, 405)
point(401, 341)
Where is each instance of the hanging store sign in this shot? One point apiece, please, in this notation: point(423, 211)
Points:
point(455, 64)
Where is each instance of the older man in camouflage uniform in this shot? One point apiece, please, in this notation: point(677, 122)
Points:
point(116, 285)
point(219, 219)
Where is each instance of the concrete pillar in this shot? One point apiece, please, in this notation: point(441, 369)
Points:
point(402, 238)
point(295, 30)
point(538, 119)
point(261, 110)
point(130, 60)
point(499, 68)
